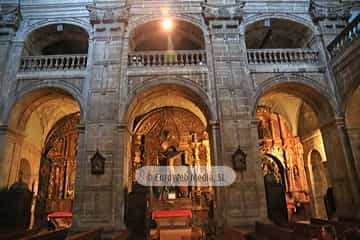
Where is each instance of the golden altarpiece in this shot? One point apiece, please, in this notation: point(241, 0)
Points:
point(283, 158)
point(57, 167)
point(172, 136)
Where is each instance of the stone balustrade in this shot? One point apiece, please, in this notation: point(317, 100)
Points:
point(282, 56)
point(53, 63)
point(345, 38)
point(167, 58)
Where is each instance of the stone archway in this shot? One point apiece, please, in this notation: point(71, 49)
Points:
point(166, 120)
point(31, 121)
point(312, 123)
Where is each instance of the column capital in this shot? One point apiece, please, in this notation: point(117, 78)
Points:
point(254, 122)
point(340, 121)
point(3, 128)
point(121, 126)
point(81, 127)
point(214, 124)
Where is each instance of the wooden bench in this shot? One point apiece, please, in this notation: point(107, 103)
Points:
point(233, 234)
point(48, 235)
point(272, 232)
point(18, 235)
point(350, 220)
point(311, 231)
point(340, 226)
point(94, 234)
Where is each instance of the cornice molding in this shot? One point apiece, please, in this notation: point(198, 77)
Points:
point(10, 17)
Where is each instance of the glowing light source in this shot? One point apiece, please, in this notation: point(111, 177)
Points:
point(167, 24)
point(164, 10)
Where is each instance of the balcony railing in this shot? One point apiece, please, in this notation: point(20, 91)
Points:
point(345, 38)
point(53, 63)
point(167, 58)
point(282, 56)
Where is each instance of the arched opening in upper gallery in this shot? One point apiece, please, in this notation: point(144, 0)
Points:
point(291, 118)
point(43, 131)
point(276, 33)
point(280, 41)
point(55, 47)
point(154, 44)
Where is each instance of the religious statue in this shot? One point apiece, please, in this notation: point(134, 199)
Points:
point(167, 159)
point(264, 129)
point(202, 154)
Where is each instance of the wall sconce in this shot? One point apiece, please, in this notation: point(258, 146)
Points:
point(97, 163)
point(239, 160)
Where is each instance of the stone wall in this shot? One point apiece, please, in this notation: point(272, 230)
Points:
point(229, 85)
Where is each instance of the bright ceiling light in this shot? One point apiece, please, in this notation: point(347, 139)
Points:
point(164, 10)
point(167, 24)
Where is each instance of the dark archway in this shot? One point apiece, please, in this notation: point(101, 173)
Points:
point(56, 39)
point(277, 33)
point(274, 181)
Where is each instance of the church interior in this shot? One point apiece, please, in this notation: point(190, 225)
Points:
point(92, 92)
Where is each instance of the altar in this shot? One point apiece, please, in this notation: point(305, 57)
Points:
point(173, 224)
point(174, 220)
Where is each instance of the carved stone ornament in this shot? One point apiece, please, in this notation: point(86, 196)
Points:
point(332, 12)
point(223, 12)
point(10, 17)
point(108, 15)
point(239, 160)
point(97, 163)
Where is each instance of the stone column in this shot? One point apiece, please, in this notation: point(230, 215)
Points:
point(349, 159)
point(340, 170)
point(78, 207)
point(10, 146)
point(216, 161)
point(259, 178)
point(3, 164)
point(118, 185)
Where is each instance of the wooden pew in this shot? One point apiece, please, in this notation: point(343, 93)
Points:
point(93, 234)
point(18, 235)
point(122, 235)
point(233, 234)
point(48, 235)
point(311, 231)
point(340, 226)
point(350, 220)
point(272, 232)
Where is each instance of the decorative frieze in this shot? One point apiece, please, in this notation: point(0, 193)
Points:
point(110, 17)
point(223, 12)
point(320, 12)
point(10, 17)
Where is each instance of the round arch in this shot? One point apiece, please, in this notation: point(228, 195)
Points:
point(62, 86)
point(305, 88)
point(190, 91)
point(177, 17)
point(162, 94)
point(27, 30)
point(308, 155)
point(306, 22)
point(149, 35)
point(280, 32)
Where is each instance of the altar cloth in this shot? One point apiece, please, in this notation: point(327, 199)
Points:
point(59, 214)
point(171, 213)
